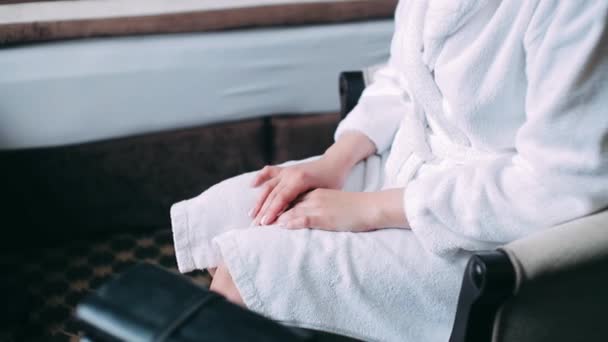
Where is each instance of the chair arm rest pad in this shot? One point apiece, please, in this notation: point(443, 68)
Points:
point(560, 249)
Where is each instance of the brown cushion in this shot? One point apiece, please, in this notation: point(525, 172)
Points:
point(302, 136)
point(45, 21)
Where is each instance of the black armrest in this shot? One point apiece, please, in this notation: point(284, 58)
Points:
point(351, 85)
point(489, 279)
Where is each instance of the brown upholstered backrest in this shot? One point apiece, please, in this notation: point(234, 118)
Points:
point(61, 193)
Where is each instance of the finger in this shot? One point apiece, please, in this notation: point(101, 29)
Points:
point(302, 222)
point(295, 207)
point(304, 201)
point(287, 216)
point(283, 211)
point(290, 215)
point(266, 190)
point(261, 215)
point(265, 174)
point(282, 200)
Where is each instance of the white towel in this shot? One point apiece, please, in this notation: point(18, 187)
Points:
point(376, 286)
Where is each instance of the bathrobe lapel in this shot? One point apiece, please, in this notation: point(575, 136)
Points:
point(429, 24)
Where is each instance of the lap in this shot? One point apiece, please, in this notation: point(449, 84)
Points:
point(234, 197)
point(376, 285)
point(225, 206)
point(364, 284)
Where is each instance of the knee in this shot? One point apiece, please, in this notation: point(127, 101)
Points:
point(223, 284)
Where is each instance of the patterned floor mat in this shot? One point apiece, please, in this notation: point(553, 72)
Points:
point(59, 278)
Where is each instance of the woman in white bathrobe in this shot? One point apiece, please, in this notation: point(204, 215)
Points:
point(489, 122)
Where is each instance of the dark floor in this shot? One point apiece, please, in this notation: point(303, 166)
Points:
point(58, 278)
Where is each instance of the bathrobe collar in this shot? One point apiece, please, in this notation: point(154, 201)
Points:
point(442, 19)
point(426, 130)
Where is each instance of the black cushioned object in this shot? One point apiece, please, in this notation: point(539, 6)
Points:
point(148, 303)
point(351, 86)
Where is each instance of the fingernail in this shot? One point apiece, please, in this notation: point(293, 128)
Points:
point(250, 213)
point(263, 220)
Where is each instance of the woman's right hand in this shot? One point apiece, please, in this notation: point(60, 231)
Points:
point(282, 185)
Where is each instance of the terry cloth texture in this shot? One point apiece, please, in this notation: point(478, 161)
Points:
point(381, 285)
point(481, 85)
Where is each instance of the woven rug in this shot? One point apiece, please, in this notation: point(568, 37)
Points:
point(58, 278)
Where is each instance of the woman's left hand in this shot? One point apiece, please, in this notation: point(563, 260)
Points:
point(346, 211)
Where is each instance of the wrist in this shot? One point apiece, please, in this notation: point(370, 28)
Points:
point(385, 209)
point(351, 148)
point(341, 163)
point(333, 172)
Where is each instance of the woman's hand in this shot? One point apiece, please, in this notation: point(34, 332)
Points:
point(282, 185)
point(347, 211)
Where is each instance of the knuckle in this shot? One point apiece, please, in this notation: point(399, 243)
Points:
point(268, 170)
point(307, 221)
point(303, 175)
point(297, 175)
point(280, 199)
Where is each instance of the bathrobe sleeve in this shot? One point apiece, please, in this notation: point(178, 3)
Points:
point(560, 170)
point(384, 102)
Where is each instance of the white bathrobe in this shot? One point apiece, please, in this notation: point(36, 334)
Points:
point(493, 115)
